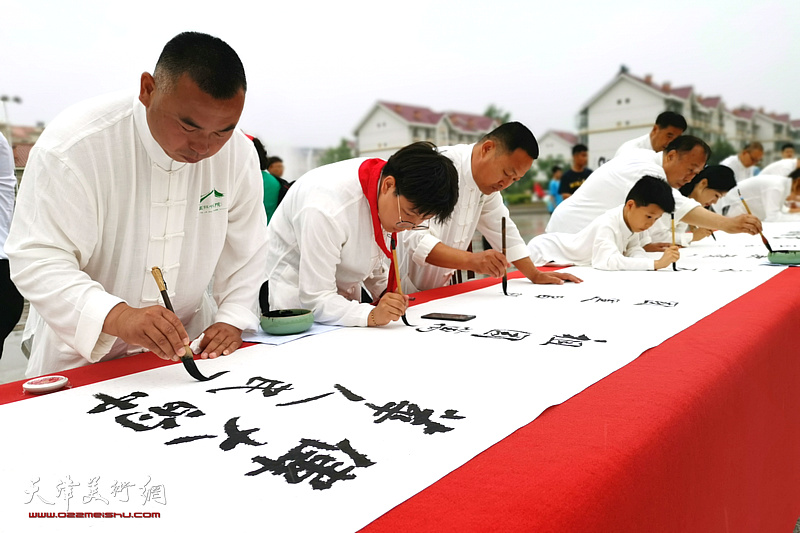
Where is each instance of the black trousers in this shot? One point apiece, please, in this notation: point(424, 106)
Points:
point(11, 303)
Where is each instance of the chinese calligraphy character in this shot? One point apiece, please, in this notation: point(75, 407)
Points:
point(569, 340)
point(35, 492)
point(94, 491)
point(156, 493)
point(314, 458)
point(658, 303)
point(598, 299)
point(169, 412)
point(268, 387)
point(444, 328)
point(507, 334)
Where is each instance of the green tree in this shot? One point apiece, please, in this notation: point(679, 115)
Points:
point(498, 114)
point(338, 153)
point(719, 151)
point(544, 167)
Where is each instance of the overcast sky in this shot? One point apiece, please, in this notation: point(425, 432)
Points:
point(315, 69)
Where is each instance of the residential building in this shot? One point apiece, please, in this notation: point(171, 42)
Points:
point(556, 144)
point(627, 106)
point(388, 126)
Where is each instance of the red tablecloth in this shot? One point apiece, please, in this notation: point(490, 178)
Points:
point(701, 433)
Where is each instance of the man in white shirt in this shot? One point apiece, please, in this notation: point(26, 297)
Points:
point(332, 233)
point(766, 195)
point(784, 167)
point(428, 258)
point(743, 162)
point(669, 126)
point(117, 185)
point(608, 186)
point(12, 302)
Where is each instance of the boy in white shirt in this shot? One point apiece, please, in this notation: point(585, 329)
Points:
point(614, 240)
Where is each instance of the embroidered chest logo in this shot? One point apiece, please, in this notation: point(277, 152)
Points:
point(212, 201)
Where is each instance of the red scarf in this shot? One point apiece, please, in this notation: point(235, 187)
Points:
point(369, 174)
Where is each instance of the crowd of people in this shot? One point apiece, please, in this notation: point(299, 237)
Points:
point(117, 185)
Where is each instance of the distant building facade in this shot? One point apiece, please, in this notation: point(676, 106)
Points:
point(388, 126)
point(627, 106)
point(556, 143)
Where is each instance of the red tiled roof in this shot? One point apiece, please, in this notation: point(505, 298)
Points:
point(470, 123)
point(710, 102)
point(571, 138)
point(795, 123)
point(682, 92)
point(416, 114)
point(744, 113)
point(21, 152)
point(780, 118)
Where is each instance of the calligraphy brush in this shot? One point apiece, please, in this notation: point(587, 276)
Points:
point(763, 239)
point(709, 208)
point(672, 216)
point(505, 272)
point(187, 358)
point(397, 275)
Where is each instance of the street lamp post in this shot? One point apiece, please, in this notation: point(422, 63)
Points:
point(5, 99)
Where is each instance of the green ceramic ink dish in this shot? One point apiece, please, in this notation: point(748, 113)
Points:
point(287, 321)
point(785, 257)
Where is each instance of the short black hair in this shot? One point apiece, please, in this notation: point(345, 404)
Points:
point(670, 118)
point(555, 169)
point(262, 154)
point(578, 148)
point(209, 61)
point(426, 178)
point(512, 136)
point(651, 190)
point(686, 143)
point(753, 145)
point(719, 177)
point(787, 145)
point(273, 159)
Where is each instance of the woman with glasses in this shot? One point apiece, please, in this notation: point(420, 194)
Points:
point(334, 230)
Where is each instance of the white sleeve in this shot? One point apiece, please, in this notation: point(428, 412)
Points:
point(52, 237)
point(490, 226)
point(606, 255)
point(240, 269)
point(419, 244)
point(320, 239)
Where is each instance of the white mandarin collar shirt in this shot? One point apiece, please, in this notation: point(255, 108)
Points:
point(606, 244)
point(322, 247)
point(474, 211)
point(607, 187)
point(101, 204)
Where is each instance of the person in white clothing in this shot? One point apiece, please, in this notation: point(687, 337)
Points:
point(428, 258)
point(707, 188)
point(12, 301)
point(669, 126)
point(784, 167)
point(332, 233)
point(768, 197)
point(117, 185)
point(744, 162)
point(615, 240)
point(608, 186)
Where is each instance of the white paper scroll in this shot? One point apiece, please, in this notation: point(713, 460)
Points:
point(337, 429)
